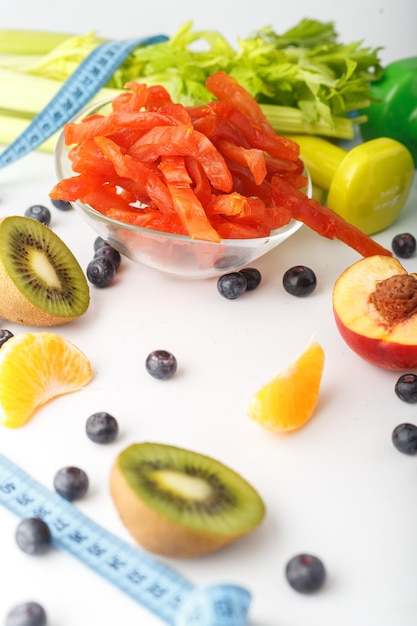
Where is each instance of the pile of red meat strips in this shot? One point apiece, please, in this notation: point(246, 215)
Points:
point(215, 171)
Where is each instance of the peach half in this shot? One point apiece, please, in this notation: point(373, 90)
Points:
point(375, 308)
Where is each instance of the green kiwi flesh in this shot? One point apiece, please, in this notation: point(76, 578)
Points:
point(42, 282)
point(181, 503)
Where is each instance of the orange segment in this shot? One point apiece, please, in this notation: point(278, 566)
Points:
point(288, 401)
point(34, 368)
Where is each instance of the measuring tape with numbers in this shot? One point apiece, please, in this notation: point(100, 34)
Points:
point(92, 74)
point(157, 587)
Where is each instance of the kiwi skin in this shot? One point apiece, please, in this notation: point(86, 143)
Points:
point(158, 533)
point(16, 306)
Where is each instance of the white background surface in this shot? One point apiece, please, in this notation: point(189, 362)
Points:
point(386, 23)
point(337, 488)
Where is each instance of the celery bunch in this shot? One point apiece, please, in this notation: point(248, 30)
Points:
point(305, 80)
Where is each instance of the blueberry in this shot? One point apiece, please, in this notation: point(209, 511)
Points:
point(33, 535)
point(102, 427)
point(161, 364)
point(5, 335)
point(232, 285)
point(71, 483)
point(299, 281)
point(253, 277)
point(62, 205)
point(305, 573)
point(404, 438)
point(108, 252)
point(100, 272)
point(404, 245)
point(26, 614)
point(39, 213)
point(99, 242)
point(229, 261)
point(406, 388)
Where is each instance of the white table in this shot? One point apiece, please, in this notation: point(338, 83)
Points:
point(337, 488)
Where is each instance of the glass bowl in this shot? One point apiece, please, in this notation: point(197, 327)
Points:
point(175, 255)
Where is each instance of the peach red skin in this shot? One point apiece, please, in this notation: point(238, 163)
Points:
point(386, 354)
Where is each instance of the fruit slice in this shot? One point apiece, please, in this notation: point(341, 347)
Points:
point(41, 282)
point(34, 368)
point(375, 309)
point(179, 503)
point(288, 401)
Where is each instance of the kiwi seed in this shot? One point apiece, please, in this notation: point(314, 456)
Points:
point(41, 282)
point(180, 503)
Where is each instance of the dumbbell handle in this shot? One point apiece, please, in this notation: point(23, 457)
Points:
point(321, 157)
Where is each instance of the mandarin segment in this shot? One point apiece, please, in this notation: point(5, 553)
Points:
point(288, 401)
point(34, 368)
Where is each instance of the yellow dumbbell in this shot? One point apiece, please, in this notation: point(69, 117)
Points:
point(367, 185)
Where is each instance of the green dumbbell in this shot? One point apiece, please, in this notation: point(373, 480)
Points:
point(393, 109)
point(367, 185)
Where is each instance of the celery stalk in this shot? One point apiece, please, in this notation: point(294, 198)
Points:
point(19, 62)
point(12, 126)
point(25, 93)
point(286, 119)
point(290, 120)
point(15, 41)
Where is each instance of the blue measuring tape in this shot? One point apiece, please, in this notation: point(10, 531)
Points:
point(149, 582)
point(92, 74)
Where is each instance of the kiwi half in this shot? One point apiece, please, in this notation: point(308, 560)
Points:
point(179, 503)
point(41, 282)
